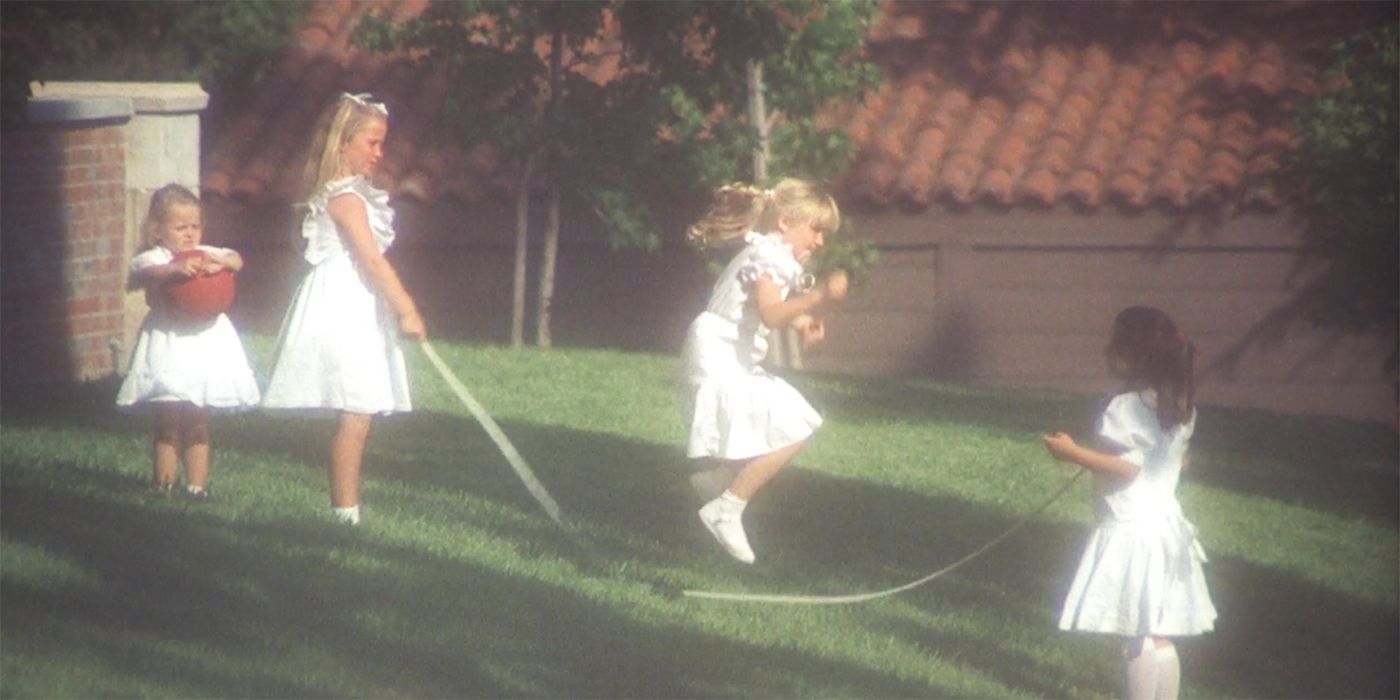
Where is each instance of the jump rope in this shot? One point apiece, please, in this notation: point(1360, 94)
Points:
point(541, 495)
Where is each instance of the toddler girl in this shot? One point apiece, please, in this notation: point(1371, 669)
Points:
point(749, 421)
point(182, 366)
point(1140, 577)
point(338, 350)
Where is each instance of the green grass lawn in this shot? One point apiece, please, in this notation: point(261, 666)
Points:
point(459, 585)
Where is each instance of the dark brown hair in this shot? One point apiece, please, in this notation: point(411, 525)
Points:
point(1159, 355)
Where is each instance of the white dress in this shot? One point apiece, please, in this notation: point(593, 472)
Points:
point(1141, 570)
point(735, 409)
point(339, 345)
point(177, 359)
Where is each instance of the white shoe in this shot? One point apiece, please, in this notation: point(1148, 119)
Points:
point(711, 483)
point(728, 528)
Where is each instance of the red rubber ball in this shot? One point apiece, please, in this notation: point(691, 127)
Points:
point(202, 296)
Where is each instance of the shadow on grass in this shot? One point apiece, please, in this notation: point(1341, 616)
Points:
point(1344, 467)
point(255, 603)
point(857, 536)
point(195, 606)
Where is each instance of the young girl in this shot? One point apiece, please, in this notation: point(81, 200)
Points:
point(338, 350)
point(1140, 577)
point(749, 421)
point(182, 367)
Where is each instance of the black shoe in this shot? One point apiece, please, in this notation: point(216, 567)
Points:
point(201, 495)
point(162, 490)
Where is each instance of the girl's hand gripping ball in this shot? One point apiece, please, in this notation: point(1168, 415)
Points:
point(203, 295)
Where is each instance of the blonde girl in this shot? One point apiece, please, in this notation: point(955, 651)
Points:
point(1140, 577)
point(182, 367)
point(338, 351)
point(745, 423)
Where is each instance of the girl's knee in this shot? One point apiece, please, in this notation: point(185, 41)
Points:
point(355, 424)
point(194, 425)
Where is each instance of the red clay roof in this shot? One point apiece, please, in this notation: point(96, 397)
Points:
point(1010, 104)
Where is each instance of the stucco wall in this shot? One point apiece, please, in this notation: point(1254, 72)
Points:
point(1021, 299)
point(1026, 299)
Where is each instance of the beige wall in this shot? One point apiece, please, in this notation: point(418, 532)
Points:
point(1025, 299)
point(1020, 299)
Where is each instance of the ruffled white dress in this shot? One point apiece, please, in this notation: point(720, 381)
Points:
point(177, 359)
point(1141, 571)
point(735, 409)
point(339, 344)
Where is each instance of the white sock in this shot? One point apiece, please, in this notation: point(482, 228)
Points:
point(1140, 665)
point(349, 515)
point(1168, 673)
point(732, 504)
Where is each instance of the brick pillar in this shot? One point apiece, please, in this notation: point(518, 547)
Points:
point(63, 231)
point(77, 178)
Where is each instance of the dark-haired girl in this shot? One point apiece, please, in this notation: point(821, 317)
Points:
point(1140, 577)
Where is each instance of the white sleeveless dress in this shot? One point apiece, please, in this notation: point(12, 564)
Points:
point(1141, 573)
point(735, 409)
point(339, 345)
point(176, 359)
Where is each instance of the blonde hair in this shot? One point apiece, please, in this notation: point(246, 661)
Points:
point(739, 208)
point(338, 123)
point(162, 201)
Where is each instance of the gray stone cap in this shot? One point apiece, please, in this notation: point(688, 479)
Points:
point(142, 98)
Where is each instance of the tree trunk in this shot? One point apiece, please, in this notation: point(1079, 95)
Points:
point(551, 250)
point(551, 230)
point(785, 348)
point(522, 249)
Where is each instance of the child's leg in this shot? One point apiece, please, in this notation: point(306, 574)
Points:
point(714, 478)
point(1140, 668)
point(194, 432)
point(347, 451)
point(760, 470)
point(165, 444)
point(724, 515)
point(1168, 670)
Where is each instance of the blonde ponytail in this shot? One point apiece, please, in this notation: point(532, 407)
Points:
point(739, 208)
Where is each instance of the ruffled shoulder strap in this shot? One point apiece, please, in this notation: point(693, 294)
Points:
point(381, 216)
point(373, 196)
point(769, 255)
point(1129, 423)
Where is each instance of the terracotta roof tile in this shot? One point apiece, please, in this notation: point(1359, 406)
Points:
point(1141, 103)
point(1087, 104)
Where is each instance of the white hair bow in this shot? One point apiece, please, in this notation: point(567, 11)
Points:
point(367, 100)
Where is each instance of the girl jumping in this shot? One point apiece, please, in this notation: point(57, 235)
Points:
point(181, 366)
point(338, 350)
point(1140, 576)
point(749, 421)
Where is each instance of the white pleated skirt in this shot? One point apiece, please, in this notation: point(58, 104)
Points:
point(1141, 578)
point(735, 409)
point(339, 347)
point(199, 362)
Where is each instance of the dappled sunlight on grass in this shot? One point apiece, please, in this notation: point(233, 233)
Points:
point(457, 585)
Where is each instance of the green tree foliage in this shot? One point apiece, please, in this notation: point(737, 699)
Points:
point(1346, 172)
point(670, 125)
point(228, 47)
point(662, 129)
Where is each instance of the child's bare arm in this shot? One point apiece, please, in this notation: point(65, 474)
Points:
point(811, 328)
point(352, 218)
point(776, 312)
point(224, 260)
point(1063, 448)
point(185, 267)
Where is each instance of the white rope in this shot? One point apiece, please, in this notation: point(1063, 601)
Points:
point(512, 455)
point(862, 597)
